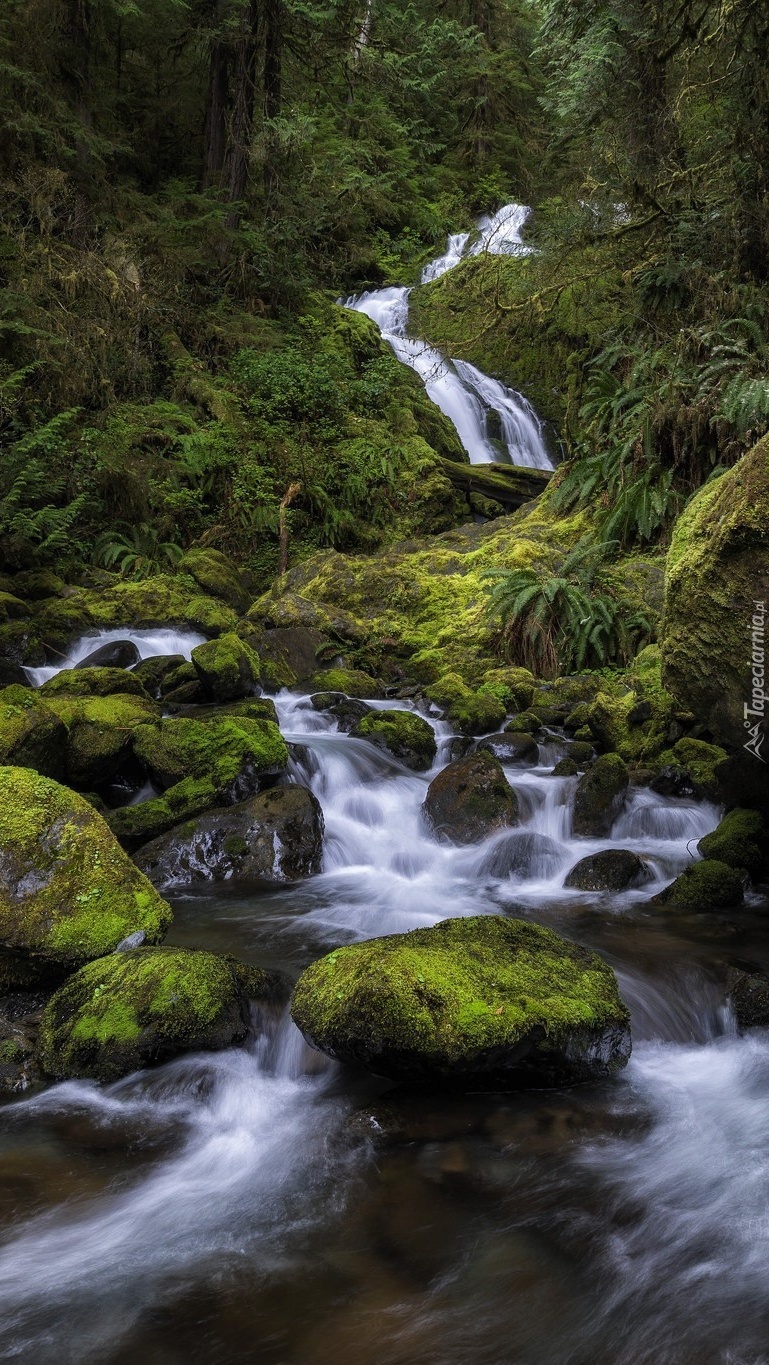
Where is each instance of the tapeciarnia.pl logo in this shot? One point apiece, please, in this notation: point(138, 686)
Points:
point(755, 709)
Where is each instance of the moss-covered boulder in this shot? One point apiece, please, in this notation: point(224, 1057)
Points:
point(614, 869)
point(718, 570)
point(600, 796)
point(525, 723)
point(350, 681)
point(217, 576)
point(748, 994)
point(708, 885)
point(513, 687)
point(31, 734)
point(483, 1002)
point(227, 668)
point(152, 672)
point(469, 800)
point(514, 750)
point(135, 1009)
point(289, 655)
point(94, 682)
point(470, 712)
point(68, 893)
point(402, 734)
point(554, 701)
point(690, 768)
point(276, 836)
point(741, 841)
point(100, 734)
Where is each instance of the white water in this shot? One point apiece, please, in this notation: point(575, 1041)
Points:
point(494, 422)
point(149, 643)
point(674, 1229)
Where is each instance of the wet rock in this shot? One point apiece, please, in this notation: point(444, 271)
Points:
point(469, 800)
point(94, 682)
point(600, 796)
point(615, 869)
point(525, 723)
point(402, 734)
point(227, 668)
point(347, 711)
point(153, 672)
point(749, 998)
point(291, 649)
point(566, 767)
point(741, 841)
point(580, 752)
point(350, 681)
point(100, 734)
point(18, 1067)
point(116, 654)
point(478, 1003)
point(690, 768)
point(31, 734)
point(515, 750)
point(135, 1009)
point(68, 893)
point(469, 712)
point(522, 854)
point(276, 836)
point(708, 885)
point(553, 702)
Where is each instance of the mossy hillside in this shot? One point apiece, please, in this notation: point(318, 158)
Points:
point(718, 567)
point(68, 893)
point(32, 735)
point(94, 682)
point(442, 1000)
point(709, 885)
point(217, 576)
point(741, 841)
point(133, 1009)
point(406, 736)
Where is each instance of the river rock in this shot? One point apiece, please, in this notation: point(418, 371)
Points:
point(135, 1009)
point(690, 768)
point(525, 723)
point(402, 734)
point(347, 711)
point(749, 998)
point(152, 672)
point(276, 836)
point(615, 869)
point(350, 681)
point(94, 682)
point(600, 796)
point(68, 893)
point(522, 853)
point(18, 1066)
point(483, 1002)
point(228, 668)
point(741, 841)
point(293, 650)
point(708, 885)
point(515, 750)
point(100, 734)
point(31, 734)
point(470, 800)
point(115, 654)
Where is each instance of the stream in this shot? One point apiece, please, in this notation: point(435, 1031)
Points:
point(265, 1204)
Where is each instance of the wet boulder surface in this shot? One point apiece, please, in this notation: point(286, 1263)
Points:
point(469, 800)
point(614, 869)
point(600, 796)
point(476, 1003)
point(402, 734)
point(514, 750)
point(707, 885)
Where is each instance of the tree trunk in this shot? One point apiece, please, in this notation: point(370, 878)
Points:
point(244, 90)
point(217, 103)
point(273, 88)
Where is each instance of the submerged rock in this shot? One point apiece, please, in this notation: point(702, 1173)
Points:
point(276, 836)
point(135, 1009)
point(615, 869)
point(741, 841)
point(522, 853)
point(403, 734)
point(347, 711)
point(515, 750)
point(68, 892)
point(228, 668)
point(469, 800)
point(708, 885)
point(478, 1003)
point(115, 654)
point(600, 796)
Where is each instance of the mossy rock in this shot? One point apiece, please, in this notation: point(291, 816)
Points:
point(346, 711)
point(690, 768)
point(276, 836)
point(554, 701)
point(68, 893)
point(406, 736)
point(476, 713)
point(513, 687)
point(18, 1066)
point(512, 750)
point(138, 1008)
point(483, 1002)
point(227, 668)
point(351, 681)
point(600, 796)
point(741, 841)
point(749, 998)
point(708, 885)
point(217, 576)
point(525, 723)
point(580, 752)
point(12, 608)
point(152, 672)
point(566, 767)
point(718, 569)
point(469, 800)
point(94, 682)
point(291, 653)
point(34, 585)
point(100, 734)
point(614, 869)
point(31, 733)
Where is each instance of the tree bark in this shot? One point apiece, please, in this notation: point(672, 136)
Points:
point(217, 103)
point(242, 125)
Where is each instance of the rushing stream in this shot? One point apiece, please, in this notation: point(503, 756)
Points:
point(494, 422)
point(264, 1205)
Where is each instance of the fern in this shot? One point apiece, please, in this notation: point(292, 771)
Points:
point(138, 552)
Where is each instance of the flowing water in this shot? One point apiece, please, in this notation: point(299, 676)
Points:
point(265, 1205)
point(494, 423)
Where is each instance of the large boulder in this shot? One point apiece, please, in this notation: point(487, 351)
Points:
point(100, 734)
point(741, 841)
point(68, 893)
point(217, 576)
point(469, 800)
point(94, 682)
point(600, 796)
point(524, 854)
point(483, 1002)
point(691, 768)
point(615, 869)
point(137, 1008)
point(276, 836)
point(228, 668)
point(351, 681)
point(403, 734)
point(514, 750)
point(716, 595)
point(289, 654)
point(31, 734)
point(114, 654)
point(708, 885)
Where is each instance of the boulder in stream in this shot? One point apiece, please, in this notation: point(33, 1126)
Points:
point(614, 869)
point(478, 1003)
point(402, 734)
point(523, 854)
point(135, 1009)
point(347, 711)
point(68, 892)
point(31, 734)
point(115, 654)
point(749, 997)
point(351, 681)
point(741, 841)
point(708, 885)
point(469, 800)
point(276, 836)
point(100, 734)
point(514, 750)
point(228, 668)
point(600, 796)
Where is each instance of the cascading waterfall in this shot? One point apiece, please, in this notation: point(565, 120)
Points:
point(632, 1212)
point(494, 422)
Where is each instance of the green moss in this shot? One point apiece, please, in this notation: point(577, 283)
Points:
point(94, 682)
point(439, 998)
point(526, 723)
point(599, 795)
point(228, 668)
point(68, 893)
point(709, 885)
point(217, 576)
point(31, 734)
point(696, 762)
point(401, 733)
point(100, 733)
point(740, 841)
point(350, 681)
point(476, 714)
point(513, 687)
